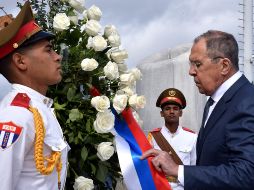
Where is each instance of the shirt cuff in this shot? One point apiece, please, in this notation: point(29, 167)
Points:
point(181, 174)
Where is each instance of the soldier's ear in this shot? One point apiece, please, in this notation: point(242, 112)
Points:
point(162, 113)
point(18, 61)
point(180, 112)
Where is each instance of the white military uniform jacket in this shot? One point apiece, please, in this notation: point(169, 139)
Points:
point(17, 134)
point(184, 143)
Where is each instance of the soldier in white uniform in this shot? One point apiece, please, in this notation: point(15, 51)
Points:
point(33, 152)
point(177, 140)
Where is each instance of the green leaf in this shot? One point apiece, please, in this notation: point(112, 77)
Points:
point(75, 114)
point(80, 136)
point(93, 157)
point(71, 93)
point(88, 125)
point(71, 139)
point(76, 140)
point(84, 153)
point(68, 80)
point(71, 13)
point(93, 168)
point(101, 173)
point(59, 106)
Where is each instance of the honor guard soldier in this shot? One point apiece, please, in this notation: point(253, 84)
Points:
point(33, 152)
point(179, 141)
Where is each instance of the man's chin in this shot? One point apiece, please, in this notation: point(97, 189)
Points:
point(201, 91)
point(57, 81)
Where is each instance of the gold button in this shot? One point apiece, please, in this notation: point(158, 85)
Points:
point(58, 147)
point(45, 101)
point(15, 45)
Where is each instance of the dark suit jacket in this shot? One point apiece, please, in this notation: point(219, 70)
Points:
point(225, 151)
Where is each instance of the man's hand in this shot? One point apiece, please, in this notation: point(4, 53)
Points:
point(162, 161)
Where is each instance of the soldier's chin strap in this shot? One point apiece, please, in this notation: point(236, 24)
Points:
point(54, 160)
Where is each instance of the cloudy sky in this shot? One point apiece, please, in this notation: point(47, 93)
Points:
point(148, 26)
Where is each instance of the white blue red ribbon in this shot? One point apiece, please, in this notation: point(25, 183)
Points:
point(131, 142)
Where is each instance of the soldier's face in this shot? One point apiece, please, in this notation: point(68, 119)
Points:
point(206, 71)
point(171, 113)
point(43, 65)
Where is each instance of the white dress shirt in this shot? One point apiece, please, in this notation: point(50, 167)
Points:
point(184, 144)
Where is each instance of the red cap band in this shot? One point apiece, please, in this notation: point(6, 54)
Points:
point(24, 33)
point(173, 99)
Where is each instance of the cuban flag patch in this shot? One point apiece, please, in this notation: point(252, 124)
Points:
point(9, 134)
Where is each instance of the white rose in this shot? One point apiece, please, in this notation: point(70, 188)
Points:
point(141, 102)
point(108, 53)
point(109, 30)
point(92, 27)
point(85, 17)
point(104, 122)
point(119, 56)
point(100, 103)
point(89, 64)
point(137, 118)
point(137, 73)
point(105, 150)
point(111, 70)
point(120, 102)
point(77, 5)
point(89, 42)
point(127, 90)
point(133, 100)
point(82, 183)
point(61, 22)
point(94, 13)
point(114, 40)
point(73, 19)
point(98, 43)
point(137, 101)
point(127, 79)
point(122, 67)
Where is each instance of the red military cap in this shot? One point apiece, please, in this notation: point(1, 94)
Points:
point(171, 96)
point(23, 30)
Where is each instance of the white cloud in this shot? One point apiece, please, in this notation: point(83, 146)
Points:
point(147, 27)
point(179, 24)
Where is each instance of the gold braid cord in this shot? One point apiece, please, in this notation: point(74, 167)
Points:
point(54, 160)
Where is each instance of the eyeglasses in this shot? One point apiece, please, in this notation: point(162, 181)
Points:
point(197, 64)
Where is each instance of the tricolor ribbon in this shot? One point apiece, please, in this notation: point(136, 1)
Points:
point(131, 142)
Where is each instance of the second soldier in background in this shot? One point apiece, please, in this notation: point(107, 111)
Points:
point(179, 141)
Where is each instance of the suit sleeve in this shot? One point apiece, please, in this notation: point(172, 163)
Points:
point(238, 172)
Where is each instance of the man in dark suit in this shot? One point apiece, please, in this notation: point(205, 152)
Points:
point(225, 145)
